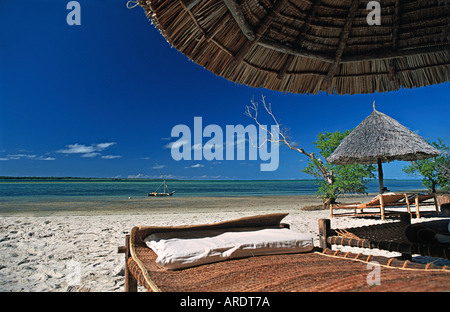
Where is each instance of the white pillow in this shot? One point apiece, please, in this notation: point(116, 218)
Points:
point(191, 248)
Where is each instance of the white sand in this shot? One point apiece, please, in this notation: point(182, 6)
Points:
point(78, 251)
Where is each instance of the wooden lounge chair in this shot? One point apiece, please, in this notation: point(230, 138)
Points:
point(381, 201)
point(424, 200)
point(403, 237)
point(313, 271)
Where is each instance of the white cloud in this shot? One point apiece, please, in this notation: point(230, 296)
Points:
point(77, 149)
point(137, 176)
point(197, 147)
point(210, 177)
point(88, 151)
point(196, 166)
point(111, 156)
point(102, 146)
point(240, 142)
point(207, 146)
point(21, 156)
point(90, 155)
point(176, 144)
point(26, 156)
point(45, 158)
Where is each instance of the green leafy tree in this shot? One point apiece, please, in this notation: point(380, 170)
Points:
point(435, 170)
point(346, 178)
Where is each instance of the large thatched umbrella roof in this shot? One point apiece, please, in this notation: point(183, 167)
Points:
point(380, 138)
point(307, 46)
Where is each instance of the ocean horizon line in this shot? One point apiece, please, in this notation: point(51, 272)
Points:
point(17, 192)
point(171, 179)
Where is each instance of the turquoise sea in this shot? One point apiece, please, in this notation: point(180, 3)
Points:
point(107, 195)
point(53, 189)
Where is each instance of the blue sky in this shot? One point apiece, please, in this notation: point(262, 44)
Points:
point(101, 99)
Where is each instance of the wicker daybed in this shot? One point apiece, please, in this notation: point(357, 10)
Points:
point(324, 270)
point(402, 236)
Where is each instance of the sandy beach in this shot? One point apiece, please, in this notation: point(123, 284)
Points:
point(76, 249)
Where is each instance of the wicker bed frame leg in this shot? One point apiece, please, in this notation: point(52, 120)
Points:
point(436, 205)
point(130, 281)
point(408, 206)
point(405, 218)
point(417, 207)
point(324, 231)
point(382, 211)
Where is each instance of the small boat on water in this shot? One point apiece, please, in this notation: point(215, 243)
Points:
point(165, 192)
point(156, 194)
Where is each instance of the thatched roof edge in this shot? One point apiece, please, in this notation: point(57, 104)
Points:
point(381, 137)
point(300, 46)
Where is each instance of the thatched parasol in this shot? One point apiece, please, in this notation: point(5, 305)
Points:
point(378, 139)
point(307, 46)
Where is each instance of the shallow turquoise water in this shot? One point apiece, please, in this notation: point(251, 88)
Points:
point(138, 188)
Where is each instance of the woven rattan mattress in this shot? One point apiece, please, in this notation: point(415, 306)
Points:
point(313, 271)
point(393, 237)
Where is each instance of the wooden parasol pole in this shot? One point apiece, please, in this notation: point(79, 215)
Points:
point(380, 175)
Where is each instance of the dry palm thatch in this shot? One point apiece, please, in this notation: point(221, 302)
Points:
point(381, 137)
point(308, 46)
point(378, 139)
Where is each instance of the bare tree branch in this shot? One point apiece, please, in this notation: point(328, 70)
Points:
point(252, 112)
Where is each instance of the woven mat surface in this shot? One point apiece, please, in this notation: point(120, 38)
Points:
point(294, 272)
point(389, 232)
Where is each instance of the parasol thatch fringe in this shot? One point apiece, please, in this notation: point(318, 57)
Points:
point(380, 137)
point(297, 42)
